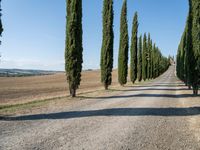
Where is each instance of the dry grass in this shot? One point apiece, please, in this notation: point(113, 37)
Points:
point(15, 90)
point(22, 95)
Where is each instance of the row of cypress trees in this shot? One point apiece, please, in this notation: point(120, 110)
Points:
point(151, 63)
point(188, 55)
point(148, 63)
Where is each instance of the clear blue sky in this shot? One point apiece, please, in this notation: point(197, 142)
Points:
point(34, 30)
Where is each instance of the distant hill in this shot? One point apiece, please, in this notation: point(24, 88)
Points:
point(24, 72)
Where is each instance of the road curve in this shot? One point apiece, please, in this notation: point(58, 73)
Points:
point(153, 116)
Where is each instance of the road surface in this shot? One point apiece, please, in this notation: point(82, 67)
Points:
point(160, 115)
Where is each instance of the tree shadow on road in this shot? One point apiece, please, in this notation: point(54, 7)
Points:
point(160, 85)
point(142, 96)
point(172, 112)
point(152, 89)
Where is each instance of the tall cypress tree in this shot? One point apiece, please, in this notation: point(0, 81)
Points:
point(67, 44)
point(188, 55)
point(148, 56)
point(196, 44)
point(74, 49)
point(144, 58)
point(123, 47)
point(1, 27)
point(140, 60)
point(154, 61)
point(185, 59)
point(182, 57)
point(134, 50)
point(151, 60)
point(187, 51)
point(107, 44)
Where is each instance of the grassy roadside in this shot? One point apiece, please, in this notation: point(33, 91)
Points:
point(10, 109)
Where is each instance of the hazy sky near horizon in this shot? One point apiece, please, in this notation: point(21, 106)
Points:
point(34, 30)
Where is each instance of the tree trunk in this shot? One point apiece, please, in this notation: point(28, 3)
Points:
point(73, 92)
point(186, 84)
point(195, 90)
point(122, 85)
point(106, 86)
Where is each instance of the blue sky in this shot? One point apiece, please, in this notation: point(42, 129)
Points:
point(34, 30)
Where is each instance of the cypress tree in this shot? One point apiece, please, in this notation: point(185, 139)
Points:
point(157, 59)
point(67, 44)
point(1, 27)
point(134, 50)
point(182, 57)
point(180, 63)
point(144, 58)
point(107, 44)
point(158, 62)
point(178, 68)
point(186, 65)
point(140, 60)
point(187, 58)
point(148, 56)
point(123, 47)
point(196, 45)
point(151, 60)
point(74, 49)
point(154, 60)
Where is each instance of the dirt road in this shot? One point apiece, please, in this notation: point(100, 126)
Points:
point(161, 115)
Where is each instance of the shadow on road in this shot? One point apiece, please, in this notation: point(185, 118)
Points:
point(142, 96)
point(191, 111)
point(152, 89)
point(160, 85)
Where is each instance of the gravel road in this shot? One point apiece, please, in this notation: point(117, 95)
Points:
point(161, 115)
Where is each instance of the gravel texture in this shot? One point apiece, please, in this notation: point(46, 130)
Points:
point(161, 115)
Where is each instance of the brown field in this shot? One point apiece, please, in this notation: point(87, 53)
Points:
point(14, 90)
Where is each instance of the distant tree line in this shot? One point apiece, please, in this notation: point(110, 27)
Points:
point(188, 55)
point(146, 59)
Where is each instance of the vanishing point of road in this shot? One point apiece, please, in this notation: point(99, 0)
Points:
point(160, 115)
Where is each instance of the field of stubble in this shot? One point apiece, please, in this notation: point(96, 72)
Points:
point(15, 90)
